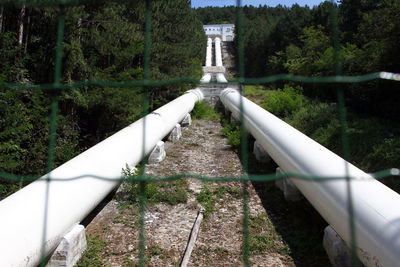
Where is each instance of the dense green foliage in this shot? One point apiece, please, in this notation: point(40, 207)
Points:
point(299, 40)
point(374, 143)
point(102, 40)
point(105, 41)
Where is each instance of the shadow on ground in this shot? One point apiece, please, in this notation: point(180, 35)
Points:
point(299, 224)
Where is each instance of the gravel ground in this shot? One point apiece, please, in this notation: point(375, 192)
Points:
point(201, 150)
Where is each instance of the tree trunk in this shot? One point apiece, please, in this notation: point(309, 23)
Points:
point(4, 20)
point(28, 29)
point(21, 25)
point(79, 26)
point(1, 18)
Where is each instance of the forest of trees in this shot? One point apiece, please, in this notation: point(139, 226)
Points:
point(105, 40)
point(299, 40)
point(102, 41)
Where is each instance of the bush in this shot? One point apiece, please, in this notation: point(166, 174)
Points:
point(203, 111)
point(7, 189)
point(318, 121)
point(232, 132)
point(374, 143)
point(283, 102)
point(255, 93)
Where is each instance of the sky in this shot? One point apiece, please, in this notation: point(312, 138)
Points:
point(256, 3)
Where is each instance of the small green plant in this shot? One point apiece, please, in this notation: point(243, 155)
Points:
point(264, 238)
point(232, 132)
point(121, 218)
point(204, 111)
point(235, 192)
point(154, 251)
point(207, 199)
point(173, 154)
point(167, 192)
point(187, 133)
point(94, 252)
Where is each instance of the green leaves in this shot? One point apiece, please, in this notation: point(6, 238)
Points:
point(283, 102)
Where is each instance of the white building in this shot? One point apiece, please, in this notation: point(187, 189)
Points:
point(226, 31)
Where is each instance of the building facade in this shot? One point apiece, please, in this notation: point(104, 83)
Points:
point(225, 31)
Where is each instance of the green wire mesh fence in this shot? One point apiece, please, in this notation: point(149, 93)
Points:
point(146, 83)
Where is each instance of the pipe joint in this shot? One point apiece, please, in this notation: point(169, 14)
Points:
point(198, 93)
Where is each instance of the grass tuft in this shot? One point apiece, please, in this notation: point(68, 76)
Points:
point(203, 111)
point(94, 252)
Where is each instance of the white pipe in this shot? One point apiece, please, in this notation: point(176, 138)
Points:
point(206, 78)
point(376, 207)
point(221, 78)
point(209, 53)
point(218, 60)
point(218, 55)
point(22, 213)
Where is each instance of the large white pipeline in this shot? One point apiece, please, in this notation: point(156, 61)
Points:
point(68, 202)
point(218, 55)
point(376, 207)
point(209, 53)
point(218, 61)
point(221, 78)
point(206, 78)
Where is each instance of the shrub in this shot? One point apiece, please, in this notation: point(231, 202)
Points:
point(283, 102)
point(7, 189)
point(232, 133)
point(203, 111)
point(319, 121)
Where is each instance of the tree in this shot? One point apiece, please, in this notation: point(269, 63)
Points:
point(104, 41)
point(21, 24)
point(1, 18)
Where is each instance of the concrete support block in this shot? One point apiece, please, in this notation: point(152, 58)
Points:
point(290, 191)
point(158, 154)
point(214, 69)
point(176, 133)
point(70, 249)
point(338, 252)
point(260, 154)
point(187, 121)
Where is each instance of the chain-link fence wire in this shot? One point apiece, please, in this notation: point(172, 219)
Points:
point(146, 83)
